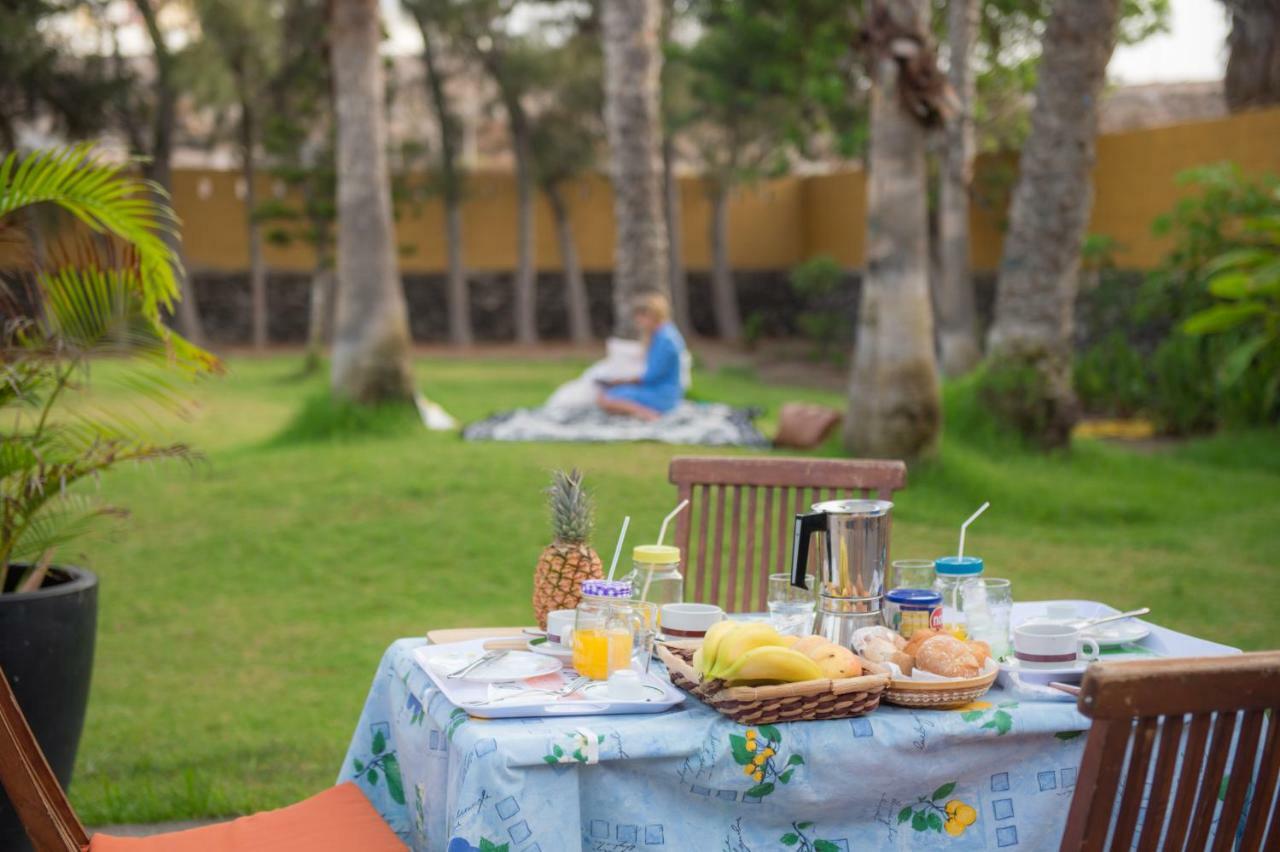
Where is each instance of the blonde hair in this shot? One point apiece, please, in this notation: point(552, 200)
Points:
point(654, 304)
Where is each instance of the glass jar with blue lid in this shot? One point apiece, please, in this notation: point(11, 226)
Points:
point(951, 572)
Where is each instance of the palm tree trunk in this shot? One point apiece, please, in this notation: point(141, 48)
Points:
point(679, 281)
point(159, 166)
point(1035, 296)
point(257, 266)
point(632, 66)
point(525, 281)
point(371, 338)
point(957, 316)
point(724, 296)
point(1253, 65)
point(459, 295)
point(318, 316)
point(894, 397)
point(574, 287)
point(451, 177)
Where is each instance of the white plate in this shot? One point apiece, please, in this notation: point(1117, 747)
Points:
point(1118, 632)
point(551, 649)
point(1107, 635)
point(514, 665)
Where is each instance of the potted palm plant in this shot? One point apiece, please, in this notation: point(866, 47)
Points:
point(86, 268)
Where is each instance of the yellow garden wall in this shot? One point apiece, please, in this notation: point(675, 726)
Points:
point(773, 224)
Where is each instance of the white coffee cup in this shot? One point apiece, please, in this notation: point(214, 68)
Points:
point(1048, 646)
point(560, 626)
point(688, 620)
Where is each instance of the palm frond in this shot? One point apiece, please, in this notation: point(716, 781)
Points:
point(58, 522)
point(108, 201)
point(95, 291)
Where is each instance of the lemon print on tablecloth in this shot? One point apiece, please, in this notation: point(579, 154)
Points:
point(995, 717)
point(929, 814)
point(756, 751)
point(960, 816)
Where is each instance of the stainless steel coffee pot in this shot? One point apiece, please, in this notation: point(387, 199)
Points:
point(848, 562)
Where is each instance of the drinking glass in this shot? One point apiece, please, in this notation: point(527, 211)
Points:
point(987, 604)
point(911, 574)
point(791, 608)
point(644, 633)
point(613, 634)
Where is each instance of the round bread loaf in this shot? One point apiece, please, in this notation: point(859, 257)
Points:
point(947, 656)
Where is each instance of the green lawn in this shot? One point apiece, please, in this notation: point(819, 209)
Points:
point(246, 602)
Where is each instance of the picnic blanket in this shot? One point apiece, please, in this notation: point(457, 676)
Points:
point(709, 424)
point(570, 413)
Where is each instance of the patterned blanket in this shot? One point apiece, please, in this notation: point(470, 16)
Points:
point(708, 424)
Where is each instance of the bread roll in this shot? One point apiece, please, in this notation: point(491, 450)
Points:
point(878, 650)
point(863, 635)
point(904, 661)
point(947, 656)
point(918, 638)
point(980, 650)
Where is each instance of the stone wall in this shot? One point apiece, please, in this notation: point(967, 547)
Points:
point(224, 305)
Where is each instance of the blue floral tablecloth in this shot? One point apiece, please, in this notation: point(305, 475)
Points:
point(998, 773)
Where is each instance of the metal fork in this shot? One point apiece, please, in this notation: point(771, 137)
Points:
point(488, 658)
point(559, 692)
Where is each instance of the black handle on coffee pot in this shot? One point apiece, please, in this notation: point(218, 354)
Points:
point(806, 525)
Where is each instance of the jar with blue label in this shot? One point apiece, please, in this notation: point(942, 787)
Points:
point(909, 610)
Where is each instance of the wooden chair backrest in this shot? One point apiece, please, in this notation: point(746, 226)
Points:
point(763, 496)
point(34, 792)
point(1132, 786)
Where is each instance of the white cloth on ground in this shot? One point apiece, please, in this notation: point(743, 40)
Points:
point(623, 360)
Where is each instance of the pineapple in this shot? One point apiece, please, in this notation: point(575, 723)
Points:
point(568, 560)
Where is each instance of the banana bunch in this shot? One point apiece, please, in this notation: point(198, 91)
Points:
point(753, 653)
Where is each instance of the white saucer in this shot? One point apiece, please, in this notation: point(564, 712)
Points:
point(1066, 671)
point(551, 649)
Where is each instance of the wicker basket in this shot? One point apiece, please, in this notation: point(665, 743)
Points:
point(787, 702)
point(913, 693)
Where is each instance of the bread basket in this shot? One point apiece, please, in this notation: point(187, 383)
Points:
point(786, 702)
point(941, 693)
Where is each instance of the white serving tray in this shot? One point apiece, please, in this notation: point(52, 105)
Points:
point(589, 702)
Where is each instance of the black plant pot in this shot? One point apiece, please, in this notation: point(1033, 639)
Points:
point(46, 651)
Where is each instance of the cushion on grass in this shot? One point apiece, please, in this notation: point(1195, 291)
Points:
point(339, 819)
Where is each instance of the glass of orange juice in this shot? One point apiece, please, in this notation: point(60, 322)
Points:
point(610, 629)
point(599, 652)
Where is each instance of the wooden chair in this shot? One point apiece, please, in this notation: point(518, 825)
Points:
point(764, 494)
point(338, 820)
point(1152, 711)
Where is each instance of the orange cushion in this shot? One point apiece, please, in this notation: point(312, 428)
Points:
point(339, 819)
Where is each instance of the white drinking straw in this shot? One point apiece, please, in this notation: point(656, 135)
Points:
point(965, 526)
point(662, 533)
point(622, 536)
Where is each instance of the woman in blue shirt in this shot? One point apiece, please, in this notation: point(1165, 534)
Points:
point(659, 390)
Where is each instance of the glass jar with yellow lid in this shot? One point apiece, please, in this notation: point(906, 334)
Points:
point(655, 574)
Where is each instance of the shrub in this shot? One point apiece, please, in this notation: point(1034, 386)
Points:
point(823, 322)
point(1111, 377)
point(1219, 282)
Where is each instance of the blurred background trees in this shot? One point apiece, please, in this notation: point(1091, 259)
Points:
point(729, 94)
